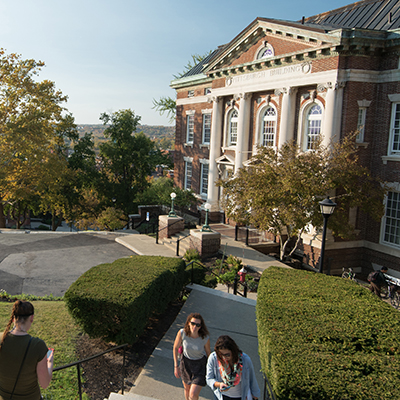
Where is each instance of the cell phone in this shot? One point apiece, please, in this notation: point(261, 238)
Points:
point(49, 352)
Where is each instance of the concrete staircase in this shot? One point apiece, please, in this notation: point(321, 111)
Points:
point(184, 242)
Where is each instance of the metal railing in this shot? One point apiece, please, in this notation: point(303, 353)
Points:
point(236, 283)
point(268, 393)
point(201, 265)
point(79, 362)
point(249, 235)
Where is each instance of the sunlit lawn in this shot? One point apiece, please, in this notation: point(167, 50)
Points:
point(55, 326)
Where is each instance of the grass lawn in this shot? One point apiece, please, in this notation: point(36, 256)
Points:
point(55, 326)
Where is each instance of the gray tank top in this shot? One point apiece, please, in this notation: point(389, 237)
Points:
point(193, 348)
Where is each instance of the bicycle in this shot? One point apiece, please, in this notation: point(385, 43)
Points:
point(348, 274)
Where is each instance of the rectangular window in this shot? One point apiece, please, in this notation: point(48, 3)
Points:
point(204, 179)
point(191, 93)
point(362, 113)
point(314, 130)
point(190, 128)
point(392, 219)
point(206, 128)
point(395, 129)
point(268, 133)
point(188, 175)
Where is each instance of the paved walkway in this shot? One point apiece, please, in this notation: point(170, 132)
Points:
point(223, 313)
point(146, 245)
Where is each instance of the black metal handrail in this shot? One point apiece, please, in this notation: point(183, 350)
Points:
point(237, 282)
point(268, 392)
point(165, 227)
point(201, 265)
point(177, 244)
point(79, 362)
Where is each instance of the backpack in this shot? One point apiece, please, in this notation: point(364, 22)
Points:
point(372, 277)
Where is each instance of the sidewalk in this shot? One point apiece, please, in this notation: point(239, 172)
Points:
point(224, 314)
point(146, 245)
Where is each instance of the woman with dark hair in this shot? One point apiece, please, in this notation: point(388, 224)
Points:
point(23, 359)
point(230, 372)
point(193, 343)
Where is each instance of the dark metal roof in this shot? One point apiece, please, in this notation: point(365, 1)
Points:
point(198, 68)
point(381, 15)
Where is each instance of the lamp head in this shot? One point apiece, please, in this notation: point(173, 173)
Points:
point(327, 206)
point(173, 195)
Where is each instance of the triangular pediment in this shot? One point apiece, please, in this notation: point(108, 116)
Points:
point(266, 39)
point(225, 159)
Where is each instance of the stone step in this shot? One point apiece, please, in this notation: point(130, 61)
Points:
point(128, 396)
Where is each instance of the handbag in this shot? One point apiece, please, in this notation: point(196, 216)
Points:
point(26, 352)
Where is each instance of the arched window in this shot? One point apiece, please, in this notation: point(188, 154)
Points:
point(232, 128)
point(268, 127)
point(313, 127)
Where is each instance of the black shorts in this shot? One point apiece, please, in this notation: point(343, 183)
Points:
point(193, 372)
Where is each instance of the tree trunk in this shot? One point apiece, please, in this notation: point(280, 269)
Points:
point(2, 216)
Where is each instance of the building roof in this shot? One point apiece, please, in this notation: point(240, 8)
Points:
point(198, 68)
point(381, 15)
point(373, 15)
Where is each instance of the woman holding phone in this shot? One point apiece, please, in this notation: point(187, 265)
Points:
point(230, 372)
point(194, 342)
point(24, 360)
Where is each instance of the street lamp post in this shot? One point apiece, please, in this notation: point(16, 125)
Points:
point(327, 207)
point(172, 212)
point(206, 227)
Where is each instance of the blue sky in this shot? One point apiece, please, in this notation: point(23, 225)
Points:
point(112, 55)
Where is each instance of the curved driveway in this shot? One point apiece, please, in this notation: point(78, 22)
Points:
point(41, 263)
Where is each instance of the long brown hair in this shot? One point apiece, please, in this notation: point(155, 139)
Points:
point(21, 311)
point(227, 343)
point(203, 331)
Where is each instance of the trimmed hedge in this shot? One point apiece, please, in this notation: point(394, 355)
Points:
point(114, 301)
point(323, 337)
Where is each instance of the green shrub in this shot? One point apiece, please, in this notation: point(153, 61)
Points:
point(323, 337)
point(199, 275)
point(114, 301)
point(191, 254)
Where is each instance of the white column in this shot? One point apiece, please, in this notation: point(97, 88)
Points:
point(338, 111)
point(328, 128)
point(215, 152)
point(286, 129)
point(242, 144)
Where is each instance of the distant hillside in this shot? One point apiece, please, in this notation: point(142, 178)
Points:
point(163, 135)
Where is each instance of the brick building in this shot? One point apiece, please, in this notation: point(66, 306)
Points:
point(329, 74)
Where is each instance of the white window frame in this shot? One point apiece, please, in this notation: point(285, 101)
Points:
point(394, 135)
point(204, 178)
point(232, 125)
point(390, 230)
point(264, 121)
point(188, 173)
point(190, 127)
point(206, 127)
point(362, 115)
point(304, 122)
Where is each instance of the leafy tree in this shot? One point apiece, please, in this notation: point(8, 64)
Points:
point(34, 127)
point(167, 105)
point(279, 191)
point(128, 159)
point(159, 192)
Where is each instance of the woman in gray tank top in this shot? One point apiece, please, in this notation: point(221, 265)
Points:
point(192, 348)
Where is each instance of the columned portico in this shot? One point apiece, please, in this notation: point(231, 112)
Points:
point(215, 152)
point(242, 147)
